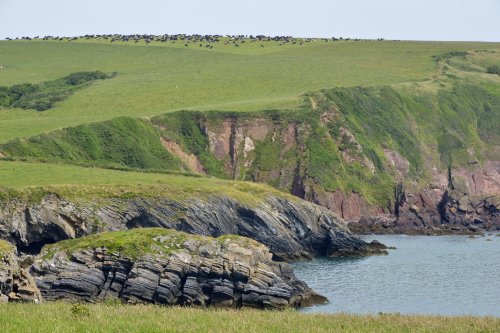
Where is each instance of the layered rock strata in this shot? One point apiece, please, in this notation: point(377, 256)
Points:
point(292, 229)
point(176, 269)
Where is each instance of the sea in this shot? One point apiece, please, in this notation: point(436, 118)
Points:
point(428, 275)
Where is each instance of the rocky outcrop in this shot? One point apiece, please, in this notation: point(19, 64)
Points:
point(453, 212)
point(176, 269)
point(292, 229)
point(16, 283)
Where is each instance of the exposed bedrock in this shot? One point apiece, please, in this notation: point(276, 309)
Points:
point(177, 269)
point(16, 283)
point(292, 229)
point(468, 203)
point(436, 212)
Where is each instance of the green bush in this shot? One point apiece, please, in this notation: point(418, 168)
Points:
point(80, 310)
point(493, 69)
point(43, 96)
point(84, 77)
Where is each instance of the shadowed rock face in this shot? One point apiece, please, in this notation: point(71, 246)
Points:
point(16, 283)
point(463, 208)
point(203, 272)
point(446, 219)
point(291, 229)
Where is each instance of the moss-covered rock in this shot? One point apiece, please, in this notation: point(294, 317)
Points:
point(169, 267)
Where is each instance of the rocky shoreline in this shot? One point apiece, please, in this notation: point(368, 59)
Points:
point(456, 213)
point(176, 269)
point(292, 229)
point(227, 270)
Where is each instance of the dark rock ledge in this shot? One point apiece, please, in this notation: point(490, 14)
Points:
point(293, 229)
point(168, 267)
point(60, 249)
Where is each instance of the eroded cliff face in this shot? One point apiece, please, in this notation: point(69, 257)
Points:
point(281, 151)
point(468, 202)
point(291, 229)
point(178, 269)
point(350, 148)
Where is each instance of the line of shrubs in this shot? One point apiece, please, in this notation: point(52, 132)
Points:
point(43, 96)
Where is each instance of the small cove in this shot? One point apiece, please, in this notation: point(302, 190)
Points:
point(445, 275)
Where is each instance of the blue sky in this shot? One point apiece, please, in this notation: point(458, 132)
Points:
point(390, 19)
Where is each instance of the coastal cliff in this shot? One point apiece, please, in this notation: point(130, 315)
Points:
point(422, 157)
point(291, 228)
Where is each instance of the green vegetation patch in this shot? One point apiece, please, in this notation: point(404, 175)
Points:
point(136, 243)
point(51, 317)
point(30, 182)
point(378, 118)
point(186, 129)
point(132, 243)
point(44, 95)
point(5, 247)
point(119, 142)
point(493, 69)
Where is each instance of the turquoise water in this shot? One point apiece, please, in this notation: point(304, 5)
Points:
point(448, 275)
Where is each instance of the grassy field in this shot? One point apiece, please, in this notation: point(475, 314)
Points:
point(161, 78)
point(59, 317)
point(24, 178)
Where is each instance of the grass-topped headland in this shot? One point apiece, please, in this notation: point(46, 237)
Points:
point(339, 139)
point(140, 318)
point(136, 243)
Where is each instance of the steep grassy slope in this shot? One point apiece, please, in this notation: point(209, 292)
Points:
point(156, 79)
point(119, 142)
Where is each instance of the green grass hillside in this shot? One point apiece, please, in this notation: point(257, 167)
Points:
point(343, 136)
point(118, 142)
point(32, 180)
point(434, 104)
point(160, 78)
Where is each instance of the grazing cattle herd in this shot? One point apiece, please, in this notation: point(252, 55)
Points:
point(207, 41)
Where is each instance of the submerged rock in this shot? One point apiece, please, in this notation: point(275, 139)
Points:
point(169, 267)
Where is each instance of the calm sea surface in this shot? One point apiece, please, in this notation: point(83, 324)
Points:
point(448, 275)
